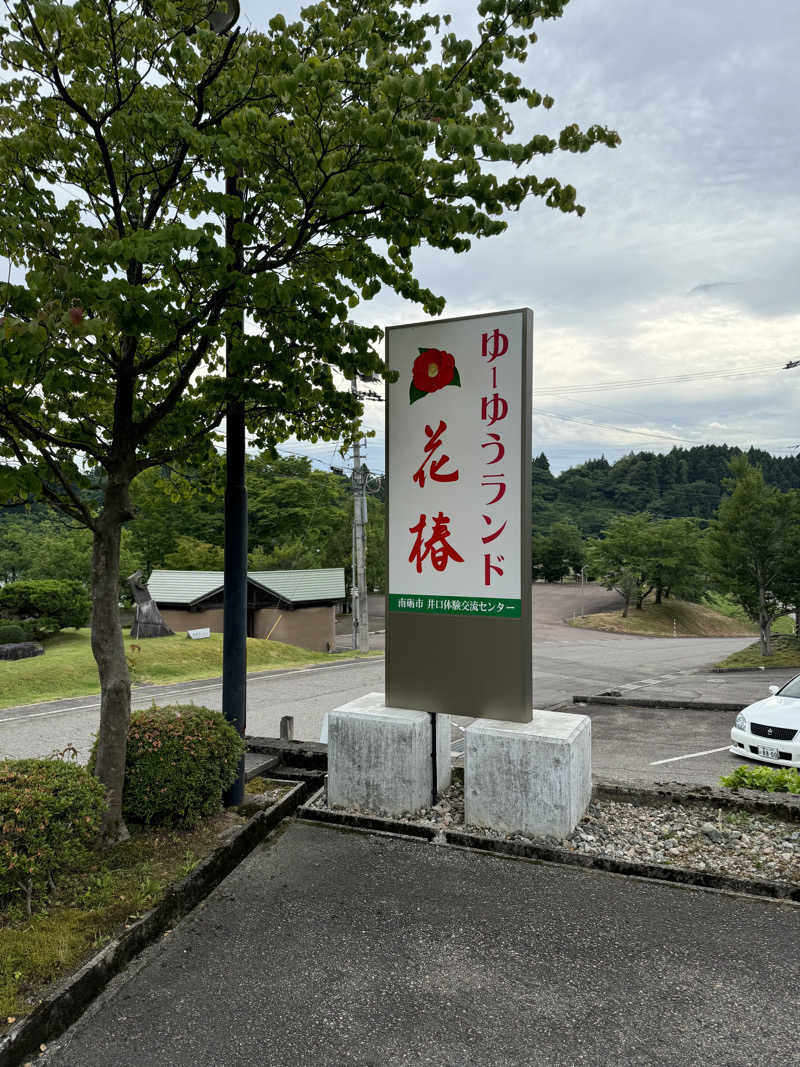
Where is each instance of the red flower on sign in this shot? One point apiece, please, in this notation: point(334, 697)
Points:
point(433, 369)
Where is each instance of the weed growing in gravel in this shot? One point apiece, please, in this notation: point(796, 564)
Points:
point(768, 779)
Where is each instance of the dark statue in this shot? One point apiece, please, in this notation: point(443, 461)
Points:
point(148, 621)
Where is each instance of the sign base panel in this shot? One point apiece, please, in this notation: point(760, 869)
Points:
point(460, 665)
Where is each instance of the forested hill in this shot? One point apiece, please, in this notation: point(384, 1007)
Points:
point(685, 481)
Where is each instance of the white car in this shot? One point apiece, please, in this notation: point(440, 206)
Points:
point(769, 730)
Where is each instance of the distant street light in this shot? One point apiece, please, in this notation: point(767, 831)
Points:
point(224, 17)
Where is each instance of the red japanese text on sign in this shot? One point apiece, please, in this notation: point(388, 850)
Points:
point(431, 445)
point(437, 547)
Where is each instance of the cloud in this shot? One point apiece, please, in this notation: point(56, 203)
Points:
point(685, 262)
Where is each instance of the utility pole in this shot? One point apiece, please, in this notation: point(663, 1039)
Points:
point(359, 584)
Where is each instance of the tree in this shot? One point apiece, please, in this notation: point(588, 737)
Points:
point(170, 503)
point(190, 554)
point(787, 586)
point(621, 558)
point(747, 544)
point(311, 508)
point(50, 549)
point(639, 554)
point(676, 559)
point(560, 551)
point(344, 147)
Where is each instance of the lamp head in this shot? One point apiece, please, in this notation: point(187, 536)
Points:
point(224, 16)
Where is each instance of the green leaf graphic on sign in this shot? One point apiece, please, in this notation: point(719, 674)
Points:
point(415, 394)
point(456, 377)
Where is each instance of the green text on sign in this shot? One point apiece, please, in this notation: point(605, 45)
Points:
point(465, 605)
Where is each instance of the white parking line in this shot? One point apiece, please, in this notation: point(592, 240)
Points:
point(691, 755)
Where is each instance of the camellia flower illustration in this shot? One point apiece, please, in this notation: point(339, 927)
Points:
point(433, 369)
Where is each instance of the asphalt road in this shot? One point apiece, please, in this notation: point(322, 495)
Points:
point(627, 744)
point(567, 660)
point(39, 729)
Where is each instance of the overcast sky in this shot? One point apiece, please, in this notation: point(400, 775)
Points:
point(685, 265)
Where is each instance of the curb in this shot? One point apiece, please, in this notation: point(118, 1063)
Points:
point(777, 805)
point(657, 702)
point(73, 995)
point(530, 850)
point(749, 670)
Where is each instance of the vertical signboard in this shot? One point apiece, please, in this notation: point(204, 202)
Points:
point(459, 516)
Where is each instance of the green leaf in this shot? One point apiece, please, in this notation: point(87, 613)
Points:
point(415, 394)
point(456, 377)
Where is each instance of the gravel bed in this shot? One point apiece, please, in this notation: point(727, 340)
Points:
point(700, 838)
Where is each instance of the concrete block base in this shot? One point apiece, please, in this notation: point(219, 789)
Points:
point(379, 758)
point(530, 778)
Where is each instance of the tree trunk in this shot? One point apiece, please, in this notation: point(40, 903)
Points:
point(658, 594)
point(109, 652)
point(641, 597)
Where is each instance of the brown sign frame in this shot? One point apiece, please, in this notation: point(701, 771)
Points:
point(467, 665)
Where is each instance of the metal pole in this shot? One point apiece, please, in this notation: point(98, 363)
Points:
point(234, 638)
point(363, 589)
point(359, 585)
point(434, 760)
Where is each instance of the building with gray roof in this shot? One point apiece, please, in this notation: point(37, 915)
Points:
point(296, 607)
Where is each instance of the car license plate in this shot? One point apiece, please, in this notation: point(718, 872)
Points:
point(769, 753)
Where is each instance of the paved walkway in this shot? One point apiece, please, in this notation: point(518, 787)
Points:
point(332, 947)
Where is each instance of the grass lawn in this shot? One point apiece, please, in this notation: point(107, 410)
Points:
point(726, 605)
point(785, 653)
point(663, 620)
point(68, 669)
point(94, 905)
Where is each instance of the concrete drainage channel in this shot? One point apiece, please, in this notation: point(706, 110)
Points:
point(531, 850)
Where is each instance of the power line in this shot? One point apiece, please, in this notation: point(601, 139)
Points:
point(619, 429)
point(673, 379)
point(633, 383)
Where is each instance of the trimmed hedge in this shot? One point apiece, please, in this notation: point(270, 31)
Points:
point(12, 633)
point(45, 607)
point(50, 815)
point(180, 759)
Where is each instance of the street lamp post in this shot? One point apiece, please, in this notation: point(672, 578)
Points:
point(222, 18)
point(234, 625)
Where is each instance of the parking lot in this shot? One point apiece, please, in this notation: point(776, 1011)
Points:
point(660, 744)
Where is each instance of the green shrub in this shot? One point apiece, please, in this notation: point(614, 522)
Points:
point(769, 779)
point(50, 814)
point(44, 626)
point(11, 633)
point(49, 604)
point(180, 760)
